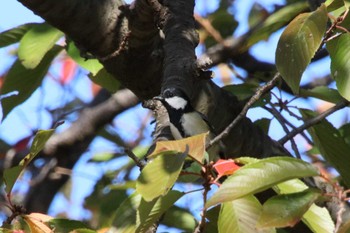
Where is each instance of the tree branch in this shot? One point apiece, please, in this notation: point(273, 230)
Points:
point(67, 147)
point(262, 90)
point(313, 121)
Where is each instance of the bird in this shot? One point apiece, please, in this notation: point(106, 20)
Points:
point(185, 121)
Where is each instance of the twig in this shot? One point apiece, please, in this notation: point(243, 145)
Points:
point(206, 24)
point(340, 212)
point(313, 121)
point(308, 140)
point(195, 190)
point(262, 90)
point(140, 163)
point(206, 173)
point(140, 131)
point(283, 123)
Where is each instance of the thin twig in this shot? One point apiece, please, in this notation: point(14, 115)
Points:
point(140, 163)
point(195, 190)
point(206, 173)
point(307, 139)
point(261, 91)
point(206, 24)
point(283, 123)
point(313, 121)
point(340, 212)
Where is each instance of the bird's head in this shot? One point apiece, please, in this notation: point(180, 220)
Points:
point(174, 98)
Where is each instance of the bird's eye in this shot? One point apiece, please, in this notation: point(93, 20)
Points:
point(168, 94)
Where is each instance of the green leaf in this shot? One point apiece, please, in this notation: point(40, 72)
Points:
point(103, 204)
point(242, 91)
point(276, 21)
point(331, 145)
point(3, 230)
point(339, 52)
point(323, 93)
point(124, 186)
point(12, 174)
point(125, 216)
point(38, 144)
point(40, 139)
point(92, 65)
point(14, 35)
point(83, 230)
point(36, 43)
point(241, 215)
point(102, 157)
point(264, 124)
point(298, 44)
point(67, 225)
point(10, 177)
point(159, 175)
point(346, 22)
point(149, 212)
point(212, 217)
point(344, 130)
point(259, 176)
point(246, 160)
point(190, 171)
point(257, 14)
point(105, 80)
point(179, 218)
point(333, 5)
point(316, 218)
point(25, 81)
point(286, 210)
point(245, 91)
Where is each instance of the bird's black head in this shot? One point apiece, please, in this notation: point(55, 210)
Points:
point(174, 99)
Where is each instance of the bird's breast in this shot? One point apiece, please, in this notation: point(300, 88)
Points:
point(193, 124)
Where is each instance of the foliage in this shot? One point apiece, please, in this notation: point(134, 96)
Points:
point(229, 189)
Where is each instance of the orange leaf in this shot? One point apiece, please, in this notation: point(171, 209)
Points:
point(95, 89)
point(68, 70)
point(225, 167)
point(196, 146)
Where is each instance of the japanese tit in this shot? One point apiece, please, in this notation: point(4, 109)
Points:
point(185, 121)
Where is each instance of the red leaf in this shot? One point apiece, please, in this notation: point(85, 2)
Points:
point(22, 144)
point(95, 89)
point(68, 70)
point(225, 167)
point(2, 78)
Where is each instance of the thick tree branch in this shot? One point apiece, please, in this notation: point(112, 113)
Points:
point(124, 38)
point(180, 41)
point(67, 147)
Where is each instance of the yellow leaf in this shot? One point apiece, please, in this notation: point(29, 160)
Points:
point(196, 145)
point(36, 223)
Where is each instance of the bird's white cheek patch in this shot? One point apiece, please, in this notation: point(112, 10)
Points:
point(177, 102)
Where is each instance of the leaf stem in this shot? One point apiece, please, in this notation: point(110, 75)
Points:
point(140, 163)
